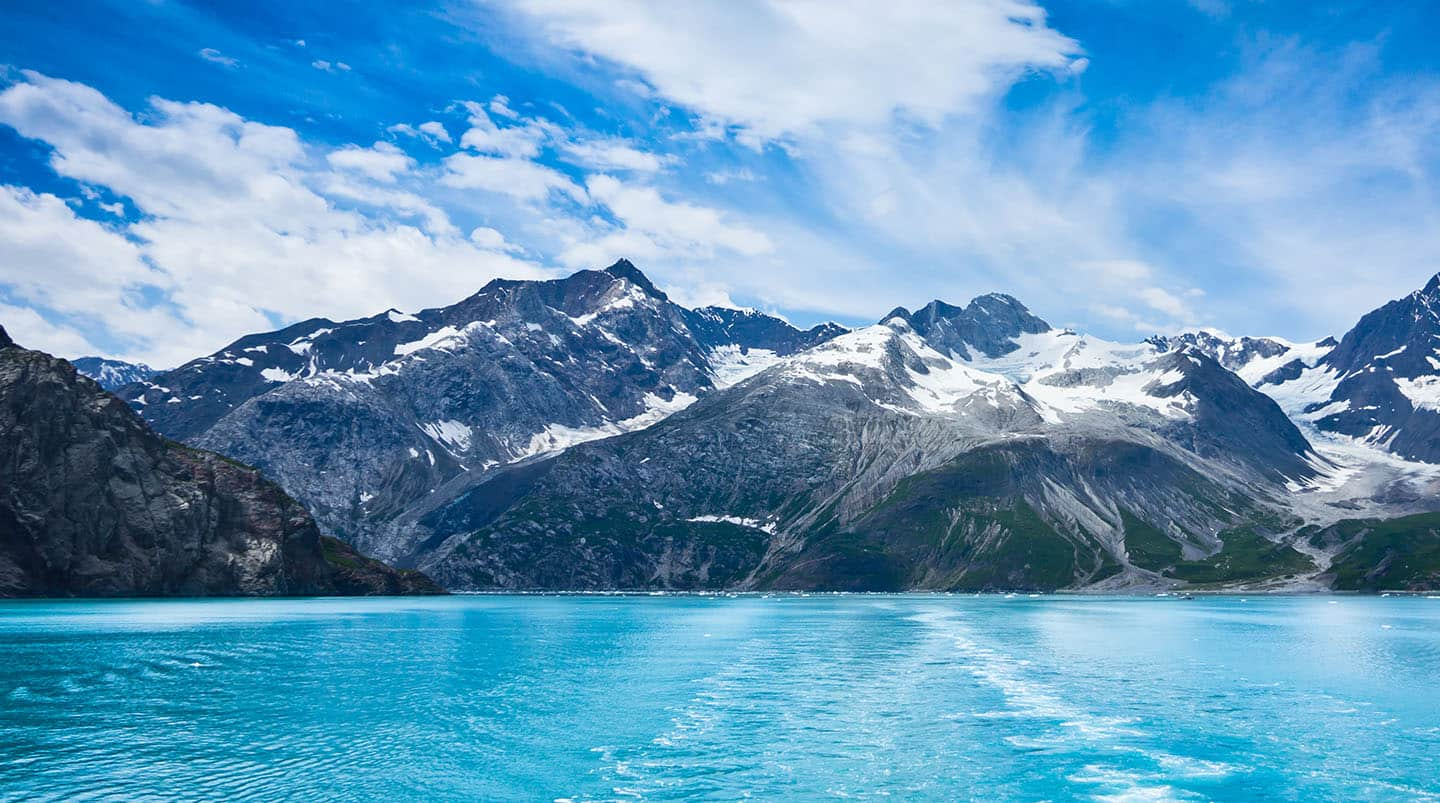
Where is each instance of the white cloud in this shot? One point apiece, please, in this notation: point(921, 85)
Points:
point(240, 220)
point(28, 329)
point(431, 131)
point(654, 228)
point(520, 141)
point(54, 259)
point(1296, 194)
point(613, 154)
point(1163, 301)
point(436, 130)
point(773, 68)
point(214, 56)
point(492, 240)
point(728, 176)
point(500, 105)
point(402, 203)
point(515, 177)
point(381, 161)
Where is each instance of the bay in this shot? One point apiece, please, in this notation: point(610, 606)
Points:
point(685, 697)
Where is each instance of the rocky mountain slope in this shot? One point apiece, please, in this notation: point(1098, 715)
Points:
point(925, 452)
point(364, 420)
point(113, 374)
point(588, 433)
point(1378, 386)
point(92, 503)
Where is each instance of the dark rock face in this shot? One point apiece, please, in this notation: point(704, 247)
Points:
point(113, 374)
point(92, 503)
point(749, 329)
point(989, 325)
point(1234, 354)
point(1389, 376)
point(1231, 419)
point(589, 433)
point(364, 420)
point(841, 470)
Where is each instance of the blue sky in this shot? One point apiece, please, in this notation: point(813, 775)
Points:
point(173, 176)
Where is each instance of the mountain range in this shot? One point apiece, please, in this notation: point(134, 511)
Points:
point(113, 374)
point(590, 433)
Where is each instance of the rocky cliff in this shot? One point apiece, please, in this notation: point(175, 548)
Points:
point(92, 503)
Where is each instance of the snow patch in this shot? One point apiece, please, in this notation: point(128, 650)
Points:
point(626, 300)
point(444, 336)
point(728, 366)
point(559, 437)
point(1422, 391)
point(754, 524)
point(453, 435)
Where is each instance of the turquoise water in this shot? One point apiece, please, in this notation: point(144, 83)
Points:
point(548, 698)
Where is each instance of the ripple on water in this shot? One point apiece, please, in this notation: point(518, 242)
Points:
point(790, 697)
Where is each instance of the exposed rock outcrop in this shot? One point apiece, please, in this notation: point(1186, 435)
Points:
point(92, 503)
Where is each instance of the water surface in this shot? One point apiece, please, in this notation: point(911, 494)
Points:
point(550, 698)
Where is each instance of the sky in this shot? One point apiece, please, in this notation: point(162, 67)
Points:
point(175, 175)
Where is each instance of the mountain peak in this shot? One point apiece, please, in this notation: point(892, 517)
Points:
point(5, 341)
point(1432, 288)
point(989, 323)
point(1002, 298)
point(625, 269)
point(939, 309)
point(899, 312)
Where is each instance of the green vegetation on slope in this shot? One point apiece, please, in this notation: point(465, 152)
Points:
point(1399, 554)
point(960, 527)
point(1246, 555)
point(1147, 546)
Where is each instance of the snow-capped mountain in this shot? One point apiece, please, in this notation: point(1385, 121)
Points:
point(931, 450)
point(363, 419)
point(1381, 384)
point(587, 432)
point(1257, 360)
point(1370, 402)
point(113, 374)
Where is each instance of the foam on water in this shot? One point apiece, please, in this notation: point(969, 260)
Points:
point(675, 697)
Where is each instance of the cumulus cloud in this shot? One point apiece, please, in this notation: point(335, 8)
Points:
point(240, 223)
point(435, 130)
point(516, 141)
point(771, 69)
point(381, 161)
point(27, 328)
point(1163, 301)
point(652, 226)
point(1296, 192)
point(431, 131)
point(516, 177)
point(500, 105)
point(232, 210)
point(74, 267)
point(614, 154)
